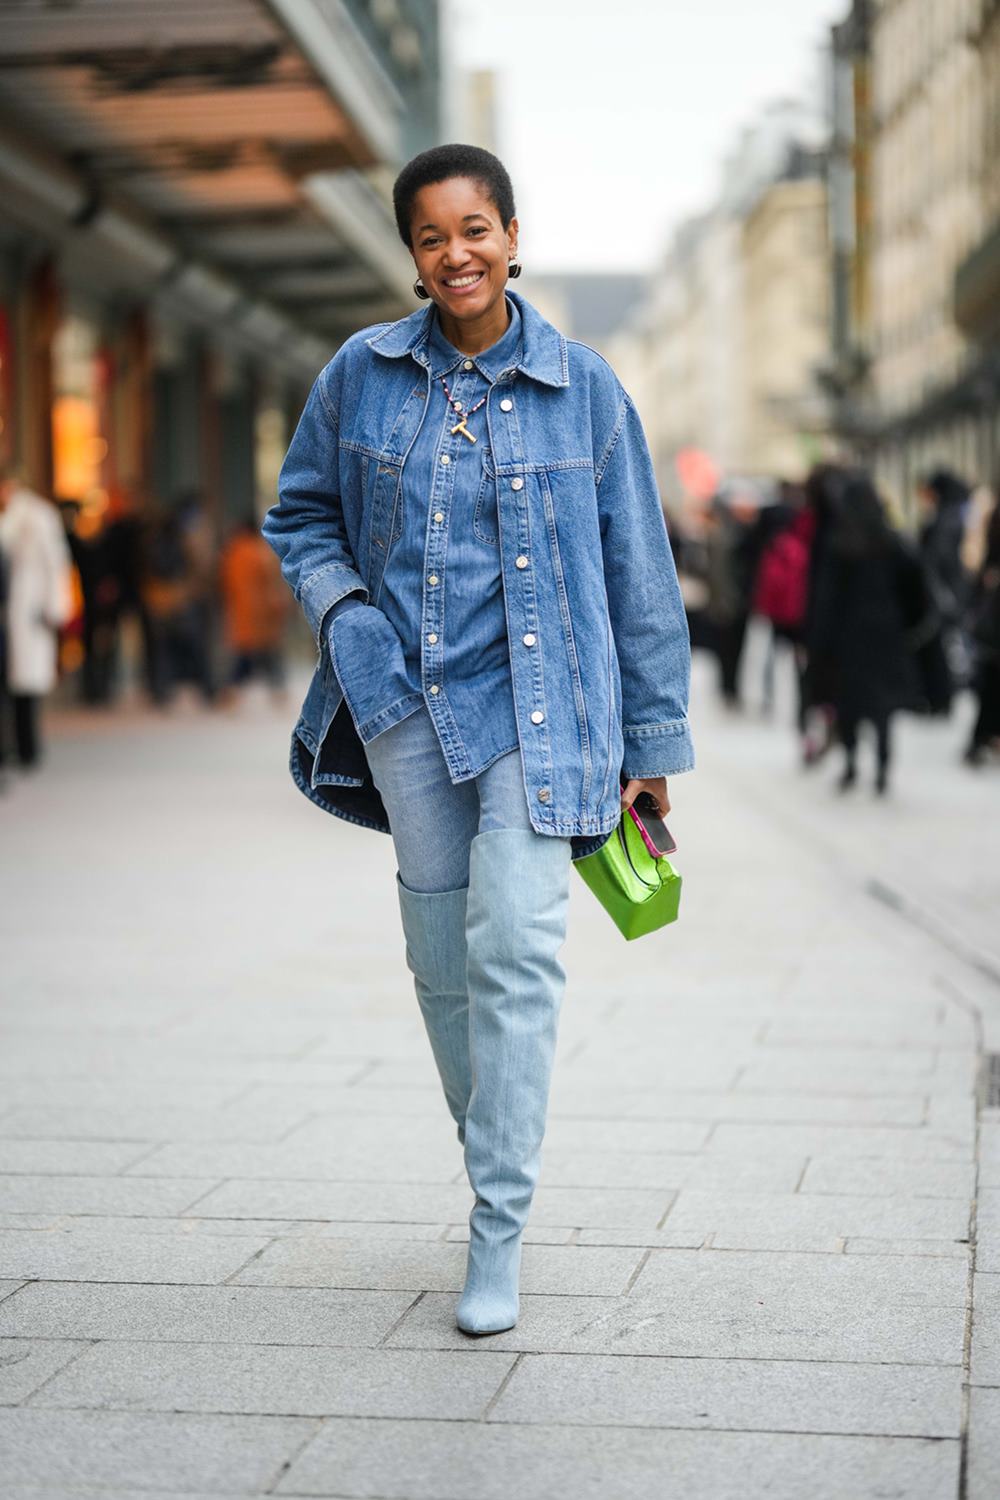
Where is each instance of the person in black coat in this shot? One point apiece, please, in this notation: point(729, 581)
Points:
point(984, 621)
point(870, 592)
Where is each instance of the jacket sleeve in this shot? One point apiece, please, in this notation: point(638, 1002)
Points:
point(644, 602)
point(306, 528)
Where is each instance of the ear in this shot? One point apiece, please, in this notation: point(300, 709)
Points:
point(512, 229)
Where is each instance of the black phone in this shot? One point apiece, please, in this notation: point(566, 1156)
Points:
point(657, 836)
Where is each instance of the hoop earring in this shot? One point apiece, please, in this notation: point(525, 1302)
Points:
point(514, 269)
point(419, 289)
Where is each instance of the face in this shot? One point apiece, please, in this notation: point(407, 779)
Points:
point(460, 247)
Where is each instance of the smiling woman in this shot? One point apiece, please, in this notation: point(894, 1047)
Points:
point(469, 518)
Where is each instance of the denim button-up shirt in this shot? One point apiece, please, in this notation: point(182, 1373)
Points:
point(596, 632)
point(442, 589)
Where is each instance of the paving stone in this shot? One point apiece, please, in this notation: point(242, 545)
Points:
point(983, 1477)
point(795, 1221)
point(988, 1229)
point(89, 1255)
point(924, 1179)
point(734, 1394)
point(392, 1156)
point(269, 1379)
point(986, 1330)
point(912, 1144)
point(394, 1202)
point(669, 1170)
point(26, 1364)
point(571, 1270)
point(989, 1154)
point(85, 1157)
point(125, 1449)
point(777, 1108)
point(225, 1314)
point(100, 1195)
point(144, 1224)
point(957, 1249)
point(453, 1460)
point(135, 1121)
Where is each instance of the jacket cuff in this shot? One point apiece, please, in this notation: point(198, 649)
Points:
point(321, 591)
point(657, 750)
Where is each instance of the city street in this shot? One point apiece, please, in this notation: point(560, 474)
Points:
point(764, 1257)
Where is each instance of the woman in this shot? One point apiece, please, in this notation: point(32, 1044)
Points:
point(870, 595)
point(985, 631)
point(469, 519)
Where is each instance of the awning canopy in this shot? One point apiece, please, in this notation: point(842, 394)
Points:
point(217, 129)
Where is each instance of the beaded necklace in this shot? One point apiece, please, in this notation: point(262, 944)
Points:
point(463, 415)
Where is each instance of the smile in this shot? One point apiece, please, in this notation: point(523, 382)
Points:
point(459, 283)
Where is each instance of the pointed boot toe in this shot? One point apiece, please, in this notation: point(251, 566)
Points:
point(489, 1302)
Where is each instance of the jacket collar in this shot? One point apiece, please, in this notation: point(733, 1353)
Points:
point(543, 349)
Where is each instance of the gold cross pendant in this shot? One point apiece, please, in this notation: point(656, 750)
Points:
point(464, 431)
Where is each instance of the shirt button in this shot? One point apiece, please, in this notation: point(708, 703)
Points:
point(457, 405)
point(432, 639)
point(439, 515)
point(435, 688)
point(544, 794)
point(517, 484)
point(537, 717)
point(433, 578)
point(520, 562)
point(467, 364)
point(445, 458)
point(506, 406)
point(529, 640)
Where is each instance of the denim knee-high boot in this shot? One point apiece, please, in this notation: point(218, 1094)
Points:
point(434, 928)
point(518, 897)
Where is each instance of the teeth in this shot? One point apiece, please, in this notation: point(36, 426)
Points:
point(464, 280)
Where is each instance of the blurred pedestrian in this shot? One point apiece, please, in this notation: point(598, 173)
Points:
point(817, 713)
point(256, 606)
point(984, 622)
point(470, 519)
point(177, 598)
point(942, 538)
point(870, 594)
point(39, 602)
point(730, 557)
point(781, 585)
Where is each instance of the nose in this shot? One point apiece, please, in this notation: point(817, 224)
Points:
point(456, 254)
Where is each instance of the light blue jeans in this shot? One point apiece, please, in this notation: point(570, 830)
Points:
point(433, 819)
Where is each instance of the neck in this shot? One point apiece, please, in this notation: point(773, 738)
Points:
point(473, 335)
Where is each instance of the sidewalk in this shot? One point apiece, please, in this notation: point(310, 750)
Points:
point(231, 1233)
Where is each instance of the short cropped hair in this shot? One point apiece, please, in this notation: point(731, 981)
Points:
point(442, 162)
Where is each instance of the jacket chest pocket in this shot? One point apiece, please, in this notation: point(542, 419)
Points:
point(382, 488)
point(484, 518)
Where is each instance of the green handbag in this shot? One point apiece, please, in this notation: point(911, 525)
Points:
point(639, 892)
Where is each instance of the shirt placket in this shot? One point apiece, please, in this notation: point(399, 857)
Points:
point(434, 646)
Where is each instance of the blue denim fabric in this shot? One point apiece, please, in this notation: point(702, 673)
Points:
point(598, 640)
point(454, 631)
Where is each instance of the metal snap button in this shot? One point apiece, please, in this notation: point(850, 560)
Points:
point(446, 458)
point(439, 515)
point(433, 579)
point(537, 717)
point(506, 406)
point(544, 794)
point(529, 639)
point(467, 364)
point(517, 484)
point(520, 562)
point(435, 688)
point(432, 639)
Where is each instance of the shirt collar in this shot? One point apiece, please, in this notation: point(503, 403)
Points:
point(502, 355)
point(544, 356)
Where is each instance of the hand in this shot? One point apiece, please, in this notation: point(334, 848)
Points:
point(657, 788)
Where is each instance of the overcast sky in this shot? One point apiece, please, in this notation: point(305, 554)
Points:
point(616, 114)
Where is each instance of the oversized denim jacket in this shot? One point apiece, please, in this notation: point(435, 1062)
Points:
point(597, 632)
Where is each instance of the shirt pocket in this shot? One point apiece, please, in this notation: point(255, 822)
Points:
point(484, 518)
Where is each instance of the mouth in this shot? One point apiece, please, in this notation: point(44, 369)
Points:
point(461, 285)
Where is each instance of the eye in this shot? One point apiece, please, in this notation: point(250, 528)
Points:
point(478, 229)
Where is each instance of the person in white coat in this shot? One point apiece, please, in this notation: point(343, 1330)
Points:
point(39, 601)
